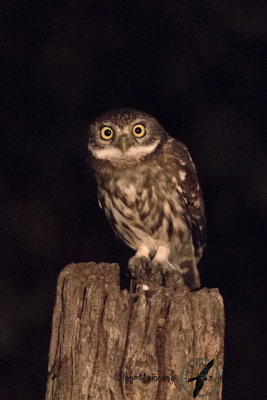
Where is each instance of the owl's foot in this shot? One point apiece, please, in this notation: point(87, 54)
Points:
point(163, 266)
point(160, 269)
point(139, 267)
point(163, 271)
point(161, 260)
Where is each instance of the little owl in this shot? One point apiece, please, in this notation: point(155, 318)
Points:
point(149, 190)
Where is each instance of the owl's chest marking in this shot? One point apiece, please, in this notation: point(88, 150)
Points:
point(141, 205)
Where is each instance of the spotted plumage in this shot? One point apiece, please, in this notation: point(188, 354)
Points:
point(149, 190)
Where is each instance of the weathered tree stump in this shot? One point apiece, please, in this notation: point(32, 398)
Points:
point(110, 344)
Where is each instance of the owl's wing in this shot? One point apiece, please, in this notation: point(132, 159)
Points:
point(100, 200)
point(190, 193)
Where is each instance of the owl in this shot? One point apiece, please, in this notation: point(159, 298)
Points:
point(149, 190)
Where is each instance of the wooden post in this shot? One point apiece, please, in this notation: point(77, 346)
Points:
point(111, 344)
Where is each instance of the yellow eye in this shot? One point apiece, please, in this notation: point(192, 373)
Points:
point(139, 130)
point(106, 132)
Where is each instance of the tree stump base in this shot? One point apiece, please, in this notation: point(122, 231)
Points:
point(110, 344)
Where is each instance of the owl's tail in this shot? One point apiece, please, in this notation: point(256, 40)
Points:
point(191, 276)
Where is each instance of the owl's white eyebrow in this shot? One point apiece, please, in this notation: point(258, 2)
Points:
point(133, 152)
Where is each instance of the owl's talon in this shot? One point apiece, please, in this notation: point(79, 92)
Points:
point(139, 267)
point(138, 262)
point(152, 254)
point(164, 266)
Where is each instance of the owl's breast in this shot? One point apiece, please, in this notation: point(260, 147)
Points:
point(144, 201)
point(159, 207)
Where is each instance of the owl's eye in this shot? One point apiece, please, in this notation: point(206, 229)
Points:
point(139, 130)
point(106, 133)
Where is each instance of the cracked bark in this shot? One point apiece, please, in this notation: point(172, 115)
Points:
point(103, 336)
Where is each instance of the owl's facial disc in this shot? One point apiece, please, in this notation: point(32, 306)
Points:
point(124, 135)
point(116, 153)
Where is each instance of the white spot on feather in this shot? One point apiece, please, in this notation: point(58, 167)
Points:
point(130, 192)
point(146, 207)
point(197, 203)
point(182, 174)
point(166, 208)
point(144, 195)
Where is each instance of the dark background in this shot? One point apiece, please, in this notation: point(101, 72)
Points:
point(200, 68)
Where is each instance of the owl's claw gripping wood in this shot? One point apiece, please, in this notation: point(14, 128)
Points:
point(163, 266)
point(139, 267)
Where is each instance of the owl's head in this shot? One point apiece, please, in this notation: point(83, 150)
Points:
point(125, 134)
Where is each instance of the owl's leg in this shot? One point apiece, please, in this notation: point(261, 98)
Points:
point(161, 260)
point(164, 271)
point(143, 251)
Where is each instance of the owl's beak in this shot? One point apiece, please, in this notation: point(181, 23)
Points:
point(124, 143)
